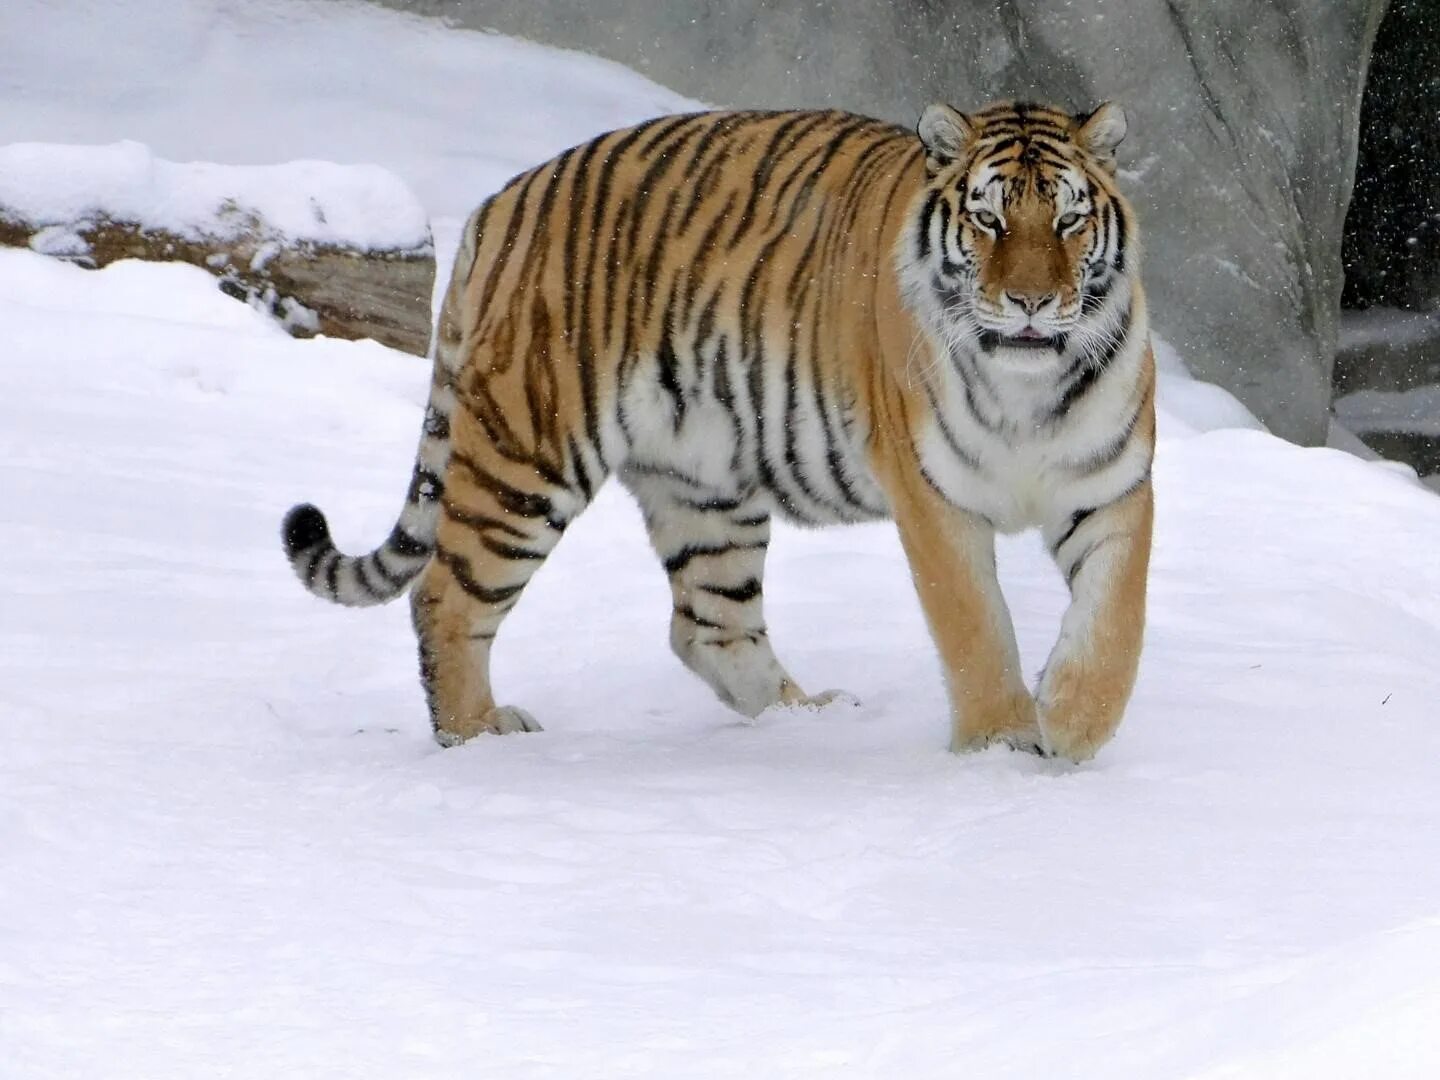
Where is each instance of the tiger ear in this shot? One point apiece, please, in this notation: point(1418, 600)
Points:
point(945, 132)
point(1101, 131)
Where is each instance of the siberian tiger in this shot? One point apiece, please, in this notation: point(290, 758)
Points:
point(806, 313)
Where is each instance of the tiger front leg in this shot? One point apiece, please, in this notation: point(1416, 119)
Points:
point(1086, 684)
point(952, 562)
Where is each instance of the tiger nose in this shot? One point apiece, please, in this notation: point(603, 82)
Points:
point(1031, 302)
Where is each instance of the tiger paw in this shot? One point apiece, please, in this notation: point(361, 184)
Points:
point(1011, 723)
point(1076, 740)
point(501, 720)
point(827, 698)
point(1030, 741)
point(792, 696)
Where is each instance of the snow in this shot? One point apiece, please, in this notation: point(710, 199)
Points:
point(256, 82)
point(1188, 406)
point(356, 206)
point(231, 848)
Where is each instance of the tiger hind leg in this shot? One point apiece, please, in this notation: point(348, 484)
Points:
point(499, 521)
point(713, 550)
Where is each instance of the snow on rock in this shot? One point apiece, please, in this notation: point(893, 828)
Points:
point(361, 207)
point(1188, 406)
point(1415, 410)
point(339, 250)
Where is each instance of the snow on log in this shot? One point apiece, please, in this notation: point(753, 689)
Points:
point(342, 250)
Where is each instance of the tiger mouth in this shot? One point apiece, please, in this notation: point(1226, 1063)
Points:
point(1029, 338)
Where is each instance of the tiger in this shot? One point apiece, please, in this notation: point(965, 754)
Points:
point(810, 314)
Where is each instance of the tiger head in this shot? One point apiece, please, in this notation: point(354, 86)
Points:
point(1020, 233)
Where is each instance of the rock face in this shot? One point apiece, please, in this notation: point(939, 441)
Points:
point(1242, 146)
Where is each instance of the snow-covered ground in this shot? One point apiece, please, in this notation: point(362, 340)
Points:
point(230, 848)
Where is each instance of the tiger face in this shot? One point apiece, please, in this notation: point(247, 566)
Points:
point(1020, 232)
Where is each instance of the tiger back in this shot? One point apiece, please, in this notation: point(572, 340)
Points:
point(813, 314)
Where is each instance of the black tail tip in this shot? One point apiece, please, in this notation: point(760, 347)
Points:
point(304, 527)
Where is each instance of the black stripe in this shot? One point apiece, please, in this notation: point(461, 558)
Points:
point(482, 216)
point(459, 567)
point(362, 578)
point(679, 560)
point(1074, 571)
point(1076, 520)
point(649, 180)
point(393, 580)
point(512, 500)
point(585, 349)
point(710, 504)
point(582, 478)
point(811, 169)
point(769, 159)
point(547, 197)
point(1108, 453)
point(332, 575)
point(1090, 370)
point(970, 374)
point(1088, 375)
point(706, 247)
point(521, 187)
point(672, 124)
point(666, 472)
point(403, 544)
point(509, 551)
point(965, 457)
point(655, 257)
point(481, 521)
point(705, 181)
point(927, 211)
point(1119, 259)
point(686, 612)
point(945, 213)
point(743, 593)
point(793, 421)
point(804, 274)
point(725, 397)
point(1092, 299)
point(497, 442)
point(573, 233)
point(668, 366)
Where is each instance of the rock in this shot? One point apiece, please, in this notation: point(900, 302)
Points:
point(1240, 158)
point(1387, 349)
point(327, 249)
point(1387, 382)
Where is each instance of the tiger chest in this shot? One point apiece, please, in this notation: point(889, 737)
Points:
point(1000, 463)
